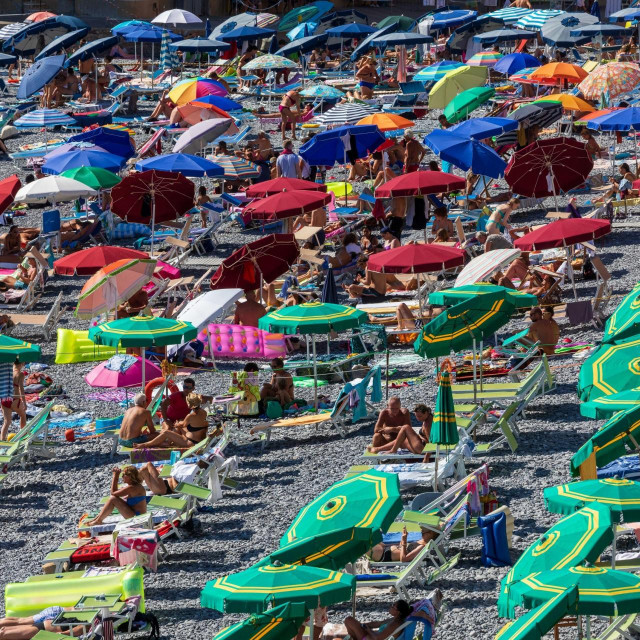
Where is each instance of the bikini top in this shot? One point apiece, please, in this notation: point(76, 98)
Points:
point(133, 500)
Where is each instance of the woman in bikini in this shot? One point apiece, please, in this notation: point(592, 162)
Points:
point(15, 405)
point(379, 630)
point(130, 501)
point(499, 219)
point(289, 100)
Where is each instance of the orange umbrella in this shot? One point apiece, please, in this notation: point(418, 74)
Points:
point(38, 16)
point(387, 121)
point(560, 71)
point(596, 114)
point(569, 102)
point(193, 114)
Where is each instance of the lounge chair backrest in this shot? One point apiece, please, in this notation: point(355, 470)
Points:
point(446, 496)
point(339, 405)
point(156, 400)
point(601, 270)
point(51, 221)
point(415, 86)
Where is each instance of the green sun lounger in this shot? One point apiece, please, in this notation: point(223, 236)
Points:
point(621, 628)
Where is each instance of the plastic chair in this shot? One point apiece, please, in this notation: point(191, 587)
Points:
point(51, 226)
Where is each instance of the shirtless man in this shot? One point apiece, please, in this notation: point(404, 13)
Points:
point(247, 57)
point(136, 419)
point(248, 313)
point(270, 389)
point(134, 305)
point(397, 215)
point(367, 76)
point(544, 329)
point(390, 422)
point(414, 153)
point(521, 4)
point(290, 100)
point(12, 244)
point(372, 289)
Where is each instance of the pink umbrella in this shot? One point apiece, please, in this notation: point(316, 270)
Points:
point(103, 376)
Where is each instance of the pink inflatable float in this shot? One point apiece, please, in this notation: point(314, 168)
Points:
point(238, 341)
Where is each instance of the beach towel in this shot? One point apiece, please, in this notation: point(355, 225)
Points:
point(6, 382)
point(121, 363)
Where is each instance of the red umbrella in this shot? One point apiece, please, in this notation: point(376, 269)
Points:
point(261, 261)
point(153, 196)
point(416, 258)
point(286, 204)
point(8, 189)
point(420, 183)
point(90, 261)
point(271, 187)
point(549, 167)
point(563, 233)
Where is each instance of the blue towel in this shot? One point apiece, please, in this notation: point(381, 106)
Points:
point(6, 381)
point(374, 576)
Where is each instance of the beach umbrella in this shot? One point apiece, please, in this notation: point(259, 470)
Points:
point(236, 168)
point(38, 16)
point(198, 136)
point(483, 128)
point(366, 500)
point(89, 261)
point(499, 35)
point(93, 177)
point(559, 72)
point(53, 189)
point(580, 537)
point(448, 19)
point(302, 30)
point(557, 31)
point(329, 293)
point(187, 165)
point(265, 585)
point(270, 61)
point(594, 115)
point(342, 145)
point(540, 114)
point(192, 115)
point(129, 25)
point(37, 35)
point(286, 204)
point(192, 88)
point(9, 187)
point(444, 429)
point(597, 32)
point(323, 91)
point(611, 79)
point(402, 23)
point(200, 45)
point(416, 258)
point(447, 297)
point(387, 121)
point(484, 58)
point(607, 406)
point(117, 142)
point(466, 102)
point(112, 285)
point(466, 153)
point(108, 375)
point(345, 113)
point(278, 185)
point(462, 37)
point(627, 119)
point(618, 436)
point(624, 322)
point(39, 74)
point(482, 267)
point(536, 19)
point(312, 11)
point(328, 550)
point(351, 30)
point(273, 624)
point(150, 34)
point(535, 624)
point(365, 44)
point(568, 101)
point(43, 118)
point(82, 157)
point(11, 29)
point(92, 49)
point(509, 15)
point(302, 45)
point(246, 33)
point(7, 60)
point(563, 233)
point(249, 18)
point(514, 62)
point(178, 19)
point(63, 42)
point(13, 349)
point(219, 102)
point(257, 262)
point(455, 82)
point(437, 70)
point(168, 55)
point(401, 39)
point(420, 183)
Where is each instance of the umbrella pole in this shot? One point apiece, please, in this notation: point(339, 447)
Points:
point(614, 546)
point(387, 381)
point(435, 475)
point(315, 374)
point(143, 367)
point(153, 46)
point(474, 370)
point(570, 270)
point(481, 350)
point(419, 295)
point(153, 222)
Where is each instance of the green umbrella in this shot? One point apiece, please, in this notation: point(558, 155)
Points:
point(618, 436)
point(611, 369)
point(370, 499)
point(464, 103)
point(12, 349)
point(93, 177)
point(274, 624)
point(258, 587)
point(601, 592)
point(536, 623)
point(444, 429)
point(448, 297)
point(403, 23)
point(606, 406)
point(581, 536)
point(624, 322)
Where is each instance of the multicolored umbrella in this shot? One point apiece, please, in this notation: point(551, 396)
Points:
point(236, 168)
point(455, 82)
point(366, 500)
point(192, 88)
point(607, 406)
point(437, 71)
point(387, 121)
point(484, 59)
point(14, 350)
point(287, 204)
point(617, 437)
point(624, 322)
point(93, 177)
point(113, 285)
point(42, 118)
point(274, 624)
point(270, 61)
point(261, 586)
point(612, 79)
point(108, 375)
point(448, 297)
point(466, 102)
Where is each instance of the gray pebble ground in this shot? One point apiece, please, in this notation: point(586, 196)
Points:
point(41, 505)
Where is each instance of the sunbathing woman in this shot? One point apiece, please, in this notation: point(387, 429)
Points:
point(400, 610)
point(290, 100)
point(441, 221)
point(26, 628)
point(409, 439)
point(163, 108)
point(130, 501)
point(21, 277)
point(402, 552)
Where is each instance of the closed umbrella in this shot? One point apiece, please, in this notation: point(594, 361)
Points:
point(274, 624)
point(187, 165)
point(63, 42)
point(466, 102)
point(53, 189)
point(557, 31)
point(448, 297)
point(12, 349)
point(93, 177)
point(39, 74)
point(624, 322)
point(168, 55)
point(89, 261)
point(329, 293)
point(278, 185)
point(342, 145)
point(420, 183)
point(483, 128)
point(456, 82)
point(286, 204)
point(444, 429)
point(197, 137)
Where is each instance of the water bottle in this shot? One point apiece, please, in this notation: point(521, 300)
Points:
point(175, 456)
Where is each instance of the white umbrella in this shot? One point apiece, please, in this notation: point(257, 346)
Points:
point(486, 265)
point(206, 307)
point(195, 138)
point(176, 18)
point(53, 189)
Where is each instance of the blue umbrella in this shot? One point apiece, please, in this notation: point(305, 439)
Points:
point(148, 34)
point(38, 34)
point(39, 74)
point(401, 38)
point(367, 43)
point(43, 118)
point(595, 9)
point(628, 14)
point(273, 45)
point(436, 71)
point(514, 62)
point(621, 120)
point(302, 45)
point(200, 44)
point(71, 22)
point(342, 145)
point(6, 59)
point(449, 19)
point(112, 140)
point(129, 25)
point(62, 42)
point(483, 128)
point(82, 157)
point(184, 163)
point(92, 49)
point(303, 30)
point(207, 28)
point(504, 35)
point(329, 292)
point(598, 31)
point(353, 30)
point(246, 34)
point(466, 153)
point(226, 104)
point(557, 31)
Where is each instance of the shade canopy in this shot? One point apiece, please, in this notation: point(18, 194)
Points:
point(447, 297)
point(53, 189)
point(558, 31)
point(93, 177)
point(482, 267)
point(624, 322)
point(454, 83)
point(464, 103)
point(278, 185)
point(416, 258)
point(184, 163)
point(39, 74)
point(287, 204)
point(436, 71)
point(114, 141)
point(606, 406)
point(342, 145)
point(276, 623)
point(89, 261)
point(482, 128)
point(313, 317)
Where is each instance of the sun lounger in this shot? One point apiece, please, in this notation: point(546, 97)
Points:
point(621, 628)
point(48, 322)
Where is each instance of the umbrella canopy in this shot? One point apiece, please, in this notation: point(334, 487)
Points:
point(192, 88)
point(195, 138)
point(267, 585)
point(482, 267)
point(62, 42)
point(460, 38)
point(117, 142)
point(53, 189)
point(402, 23)
point(557, 31)
point(82, 157)
point(563, 233)
point(500, 35)
point(387, 121)
point(32, 37)
point(541, 114)
point(11, 29)
point(204, 45)
point(342, 145)
point(578, 538)
point(464, 103)
point(92, 49)
point(250, 18)
point(112, 285)
point(455, 82)
point(416, 258)
point(38, 16)
point(345, 113)
point(535, 20)
point(444, 429)
point(611, 79)
point(484, 58)
point(274, 624)
point(313, 317)
point(569, 102)
point(12, 350)
point(401, 39)
point(219, 102)
point(514, 62)
point(509, 15)
point(149, 34)
point(261, 260)
point(482, 128)
point(270, 61)
point(39, 74)
point(178, 18)
point(420, 183)
point(330, 549)
point(322, 91)
point(351, 30)
point(597, 31)
point(129, 25)
point(89, 261)
point(624, 322)
point(606, 406)
point(437, 71)
point(246, 33)
point(560, 71)
point(448, 297)
point(9, 187)
point(93, 177)
point(370, 499)
point(448, 19)
point(466, 153)
point(236, 168)
point(549, 167)
point(278, 185)
point(7, 60)
point(187, 165)
point(287, 204)
point(618, 120)
point(365, 43)
point(43, 118)
point(152, 195)
point(142, 331)
point(459, 326)
point(613, 440)
point(107, 375)
point(630, 13)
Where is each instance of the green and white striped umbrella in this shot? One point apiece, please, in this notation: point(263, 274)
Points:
point(535, 20)
point(168, 57)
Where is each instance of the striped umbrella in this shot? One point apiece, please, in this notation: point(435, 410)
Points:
point(43, 118)
point(192, 88)
point(541, 114)
point(11, 29)
point(12, 349)
point(346, 113)
point(236, 168)
point(270, 61)
point(484, 59)
point(535, 20)
point(168, 56)
point(278, 622)
point(509, 15)
point(436, 71)
point(480, 268)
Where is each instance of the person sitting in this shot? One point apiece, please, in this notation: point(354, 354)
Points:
point(180, 472)
point(164, 108)
point(390, 421)
point(544, 329)
point(249, 312)
point(623, 186)
point(441, 236)
point(282, 395)
point(175, 408)
point(134, 305)
point(371, 287)
point(518, 271)
point(348, 252)
point(593, 148)
point(136, 419)
point(13, 628)
point(408, 438)
point(381, 629)
point(12, 241)
point(390, 241)
point(402, 552)
point(441, 221)
point(22, 276)
point(269, 390)
point(130, 501)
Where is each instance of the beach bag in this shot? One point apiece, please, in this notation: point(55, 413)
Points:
point(247, 408)
point(274, 410)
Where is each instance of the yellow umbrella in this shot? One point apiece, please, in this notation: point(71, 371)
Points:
point(569, 102)
point(455, 82)
point(387, 121)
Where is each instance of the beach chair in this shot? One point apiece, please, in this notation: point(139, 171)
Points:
point(604, 291)
point(621, 628)
point(47, 322)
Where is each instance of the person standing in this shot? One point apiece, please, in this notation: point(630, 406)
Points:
point(288, 163)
